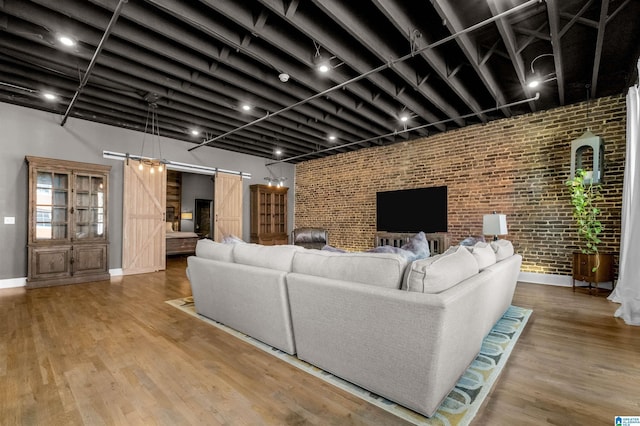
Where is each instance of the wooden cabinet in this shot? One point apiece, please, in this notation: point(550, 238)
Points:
point(67, 236)
point(583, 265)
point(268, 215)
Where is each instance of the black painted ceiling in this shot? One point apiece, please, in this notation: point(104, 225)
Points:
point(442, 63)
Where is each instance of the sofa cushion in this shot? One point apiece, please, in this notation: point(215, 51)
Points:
point(272, 257)
point(484, 254)
point(502, 248)
point(209, 249)
point(378, 269)
point(441, 272)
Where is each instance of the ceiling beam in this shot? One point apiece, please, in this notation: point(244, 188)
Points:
point(602, 23)
point(314, 29)
point(510, 42)
point(553, 16)
point(406, 24)
point(469, 48)
point(356, 26)
point(205, 23)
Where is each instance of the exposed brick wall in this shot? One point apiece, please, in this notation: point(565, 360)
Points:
point(515, 166)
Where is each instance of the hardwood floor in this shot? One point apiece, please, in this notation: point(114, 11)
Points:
point(115, 353)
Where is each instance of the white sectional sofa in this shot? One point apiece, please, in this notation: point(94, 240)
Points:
point(404, 330)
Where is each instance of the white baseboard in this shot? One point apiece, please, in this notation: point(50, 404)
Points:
point(557, 280)
point(115, 272)
point(22, 282)
point(525, 277)
point(13, 282)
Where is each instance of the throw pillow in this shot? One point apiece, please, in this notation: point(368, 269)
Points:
point(410, 256)
point(418, 245)
point(232, 239)
point(484, 255)
point(333, 249)
point(441, 272)
point(210, 249)
point(502, 248)
point(169, 226)
point(471, 241)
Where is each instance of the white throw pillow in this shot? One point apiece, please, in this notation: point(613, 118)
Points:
point(377, 269)
point(502, 248)
point(484, 254)
point(278, 257)
point(441, 272)
point(169, 226)
point(210, 249)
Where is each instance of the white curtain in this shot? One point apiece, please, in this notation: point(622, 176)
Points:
point(627, 291)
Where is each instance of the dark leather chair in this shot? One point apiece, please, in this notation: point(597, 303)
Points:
point(313, 238)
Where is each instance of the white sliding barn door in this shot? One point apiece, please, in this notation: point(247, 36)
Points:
point(227, 207)
point(143, 219)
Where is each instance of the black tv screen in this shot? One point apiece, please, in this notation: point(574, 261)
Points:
point(412, 210)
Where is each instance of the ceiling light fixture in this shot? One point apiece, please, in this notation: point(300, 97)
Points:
point(66, 40)
point(324, 67)
point(195, 132)
point(536, 78)
point(332, 137)
point(278, 151)
point(321, 62)
point(155, 163)
point(246, 107)
point(49, 96)
point(277, 181)
point(404, 118)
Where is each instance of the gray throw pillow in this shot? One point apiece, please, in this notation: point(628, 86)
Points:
point(232, 239)
point(410, 256)
point(333, 249)
point(418, 245)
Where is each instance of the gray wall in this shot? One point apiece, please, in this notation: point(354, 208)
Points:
point(26, 131)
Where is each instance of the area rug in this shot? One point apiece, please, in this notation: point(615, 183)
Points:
point(462, 403)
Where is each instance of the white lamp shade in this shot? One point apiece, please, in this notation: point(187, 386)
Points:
point(494, 224)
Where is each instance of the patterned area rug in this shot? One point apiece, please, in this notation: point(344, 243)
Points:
point(462, 403)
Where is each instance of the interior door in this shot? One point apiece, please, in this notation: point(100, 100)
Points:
point(144, 202)
point(227, 206)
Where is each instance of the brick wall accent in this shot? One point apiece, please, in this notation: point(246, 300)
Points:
point(516, 166)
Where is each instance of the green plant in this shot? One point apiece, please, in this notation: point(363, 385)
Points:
point(584, 197)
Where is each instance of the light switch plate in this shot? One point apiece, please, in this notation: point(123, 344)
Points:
point(9, 220)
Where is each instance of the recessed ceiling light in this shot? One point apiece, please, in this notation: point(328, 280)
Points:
point(49, 96)
point(195, 132)
point(246, 107)
point(66, 40)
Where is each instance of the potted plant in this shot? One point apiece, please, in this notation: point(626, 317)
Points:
point(584, 197)
point(589, 264)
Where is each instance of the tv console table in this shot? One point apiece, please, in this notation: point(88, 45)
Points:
point(438, 241)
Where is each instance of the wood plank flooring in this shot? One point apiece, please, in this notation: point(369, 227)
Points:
point(115, 353)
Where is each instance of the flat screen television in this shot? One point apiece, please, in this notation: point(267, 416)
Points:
point(412, 210)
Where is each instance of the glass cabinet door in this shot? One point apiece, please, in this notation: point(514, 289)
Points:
point(51, 206)
point(89, 207)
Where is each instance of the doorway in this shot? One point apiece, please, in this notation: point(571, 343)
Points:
point(203, 217)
